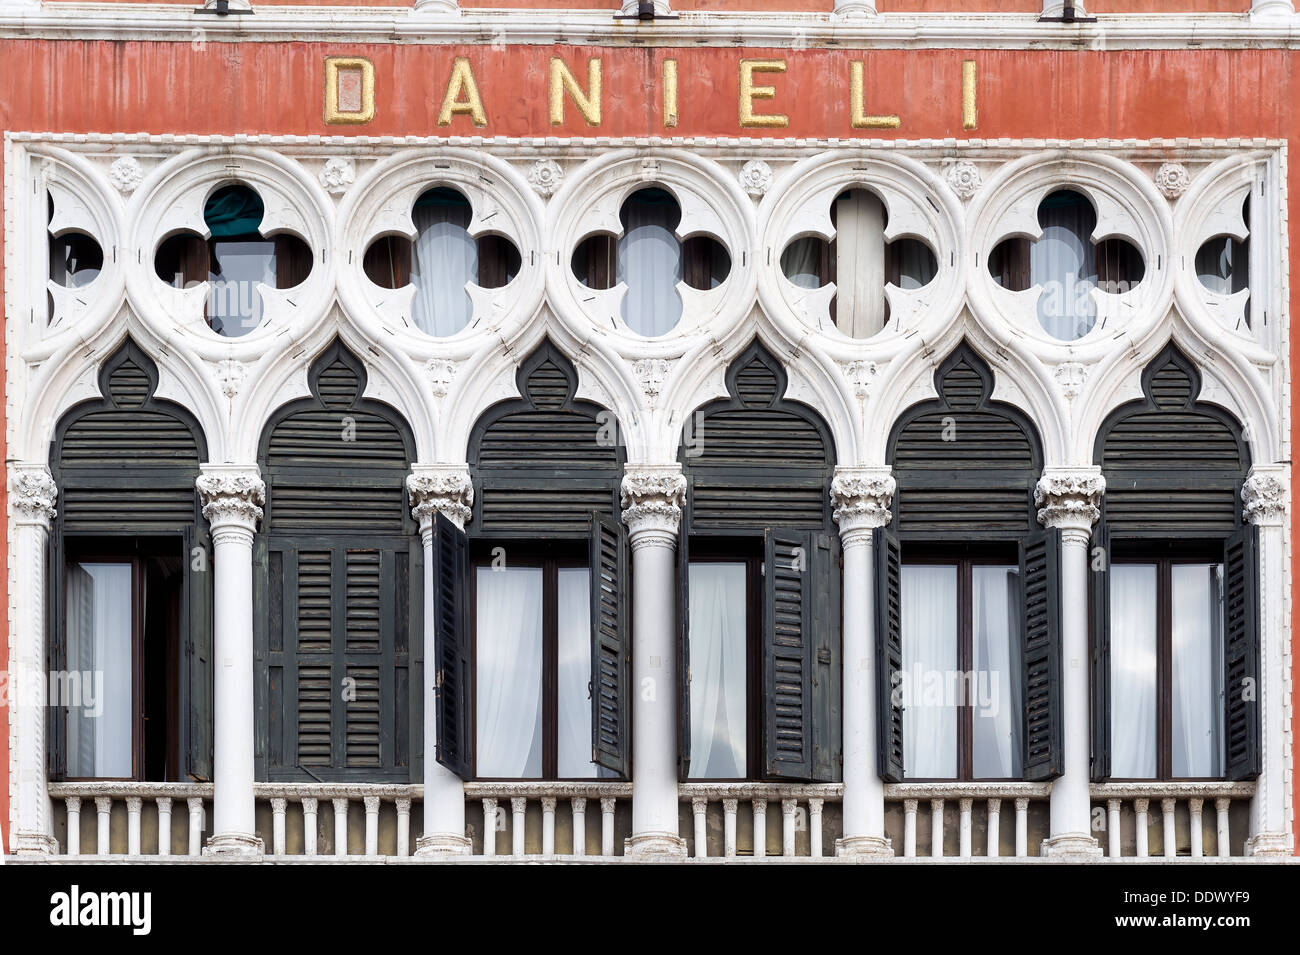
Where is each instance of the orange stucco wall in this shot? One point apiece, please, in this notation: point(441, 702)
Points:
point(277, 88)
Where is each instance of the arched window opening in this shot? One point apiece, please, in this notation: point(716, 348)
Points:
point(234, 260)
point(75, 259)
point(860, 263)
point(1223, 263)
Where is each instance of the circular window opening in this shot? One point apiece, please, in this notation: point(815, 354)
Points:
point(860, 263)
point(75, 259)
point(1223, 263)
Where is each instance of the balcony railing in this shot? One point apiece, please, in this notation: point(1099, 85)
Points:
point(967, 820)
point(1172, 820)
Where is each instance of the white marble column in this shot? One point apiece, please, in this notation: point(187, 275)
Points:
point(652, 496)
point(1069, 500)
point(1265, 496)
point(232, 497)
point(31, 497)
point(449, 490)
point(862, 498)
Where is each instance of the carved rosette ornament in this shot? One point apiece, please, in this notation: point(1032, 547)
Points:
point(232, 497)
point(756, 178)
point(337, 174)
point(441, 490)
point(862, 498)
point(963, 179)
point(545, 176)
point(1070, 499)
point(126, 174)
point(1264, 497)
point(1172, 179)
point(33, 493)
point(652, 499)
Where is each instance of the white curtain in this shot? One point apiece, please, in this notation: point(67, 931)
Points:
point(508, 654)
point(929, 613)
point(574, 664)
point(998, 718)
point(100, 734)
point(234, 303)
point(917, 265)
point(1064, 263)
point(650, 265)
point(1133, 671)
point(1197, 669)
point(801, 262)
point(718, 671)
point(859, 264)
point(445, 260)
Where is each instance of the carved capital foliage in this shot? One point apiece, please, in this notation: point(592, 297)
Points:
point(33, 493)
point(652, 499)
point(232, 497)
point(862, 497)
point(1070, 498)
point(1264, 496)
point(447, 490)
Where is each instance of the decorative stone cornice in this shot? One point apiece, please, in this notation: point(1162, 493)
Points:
point(33, 492)
point(1265, 494)
point(652, 497)
point(441, 488)
point(862, 498)
point(231, 495)
point(1070, 498)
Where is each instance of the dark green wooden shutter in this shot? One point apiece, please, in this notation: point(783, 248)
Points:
point(889, 652)
point(452, 675)
point(1099, 622)
point(1040, 587)
point(198, 609)
point(683, 654)
point(56, 658)
point(788, 592)
point(611, 648)
point(827, 716)
point(1241, 653)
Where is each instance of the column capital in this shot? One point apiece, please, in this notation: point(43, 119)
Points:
point(441, 488)
point(33, 493)
point(450, 8)
point(652, 496)
point(1265, 494)
point(631, 8)
point(1070, 498)
point(1271, 9)
point(855, 8)
point(862, 498)
point(232, 494)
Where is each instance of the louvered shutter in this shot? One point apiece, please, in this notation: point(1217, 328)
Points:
point(1099, 620)
point(1040, 587)
point(451, 674)
point(827, 718)
point(787, 654)
point(57, 661)
point(889, 652)
point(198, 658)
point(611, 648)
point(683, 654)
point(1241, 653)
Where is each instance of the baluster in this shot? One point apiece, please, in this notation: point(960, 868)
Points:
point(103, 810)
point(815, 827)
point(760, 827)
point(1223, 844)
point(993, 838)
point(699, 810)
point(1167, 807)
point(909, 828)
point(788, 809)
point(340, 827)
point(518, 806)
point(936, 828)
point(133, 807)
point(278, 806)
point(489, 826)
point(164, 825)
point(403, 804)
point(579, 806)
point(1140, 811)
point(73, 804)
point(963, 828)
point(729, 807)
point(372, 824)
point(548, 825)
point(1114, 847)
point(1194, 829)
point(1022, 827)
point(310, 829)
point(607, 804)
point(195, 805)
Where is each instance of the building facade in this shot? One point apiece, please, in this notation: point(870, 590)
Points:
point(817, 430)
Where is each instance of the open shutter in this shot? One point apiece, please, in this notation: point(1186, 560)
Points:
point(611, 649)
point(1040, 587)
point(451, 640)
point(1099, 620)
point(788, 594)
point(1241, 653)
point(827, 718)
point(889, 652)
point(56, 616)
point(197, 641)
point(683, 654)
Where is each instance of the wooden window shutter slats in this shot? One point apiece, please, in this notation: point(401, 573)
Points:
point(451, 670)
point(1241, 690)
point(889, 652)
point(787, 658)
point(611, 648)
point(1040, 588)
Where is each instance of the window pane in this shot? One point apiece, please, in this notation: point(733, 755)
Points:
point(1133, 671)
point(1198, 669)
point(575, 674)
point(995, 690)
point(718, 671)
point(98, 698)
point(234, 303)
point(650, 262)
point(1063, 262)
point(446, 258)
point(509, 672)
point(930, 674)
